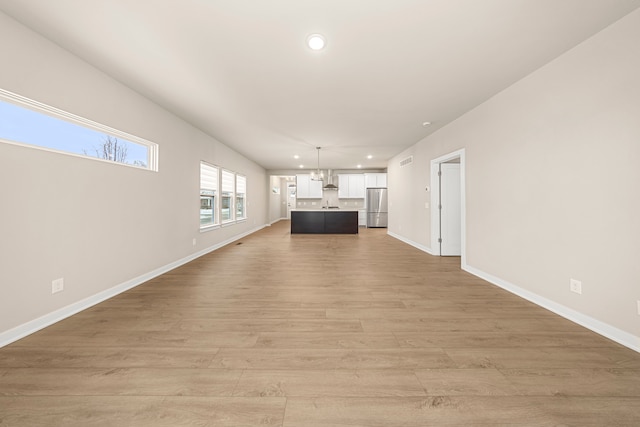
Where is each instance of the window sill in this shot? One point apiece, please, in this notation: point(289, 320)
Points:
point(232, 222)
point(209, 228)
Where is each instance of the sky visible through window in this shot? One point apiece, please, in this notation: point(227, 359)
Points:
point(20, 124)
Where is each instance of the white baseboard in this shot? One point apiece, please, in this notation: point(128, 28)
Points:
point(42, 322)
point(278, 220)
point(410, 242)
point(621, 337)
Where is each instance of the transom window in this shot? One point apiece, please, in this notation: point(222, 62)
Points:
point(33, 124)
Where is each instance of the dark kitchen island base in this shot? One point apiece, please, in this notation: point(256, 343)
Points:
point(324, 222)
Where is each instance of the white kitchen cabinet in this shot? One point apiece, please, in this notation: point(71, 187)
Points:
point(302, 186)
point(375, 180)
point(343, 186)
point(307, 188)
point(351, 186)
point(315, 189)
point(356, 186)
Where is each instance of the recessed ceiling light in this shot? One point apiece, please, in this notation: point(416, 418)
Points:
point(295, 156)
point(425, 124)
point(316, 41)
point(359, 166)
point(301, 166)
point(369, 156)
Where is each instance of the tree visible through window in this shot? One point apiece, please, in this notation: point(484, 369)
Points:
point(111, 149)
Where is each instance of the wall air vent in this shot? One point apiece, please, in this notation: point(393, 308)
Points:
point(406, 161)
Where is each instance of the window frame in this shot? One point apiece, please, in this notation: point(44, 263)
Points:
point(215, 196)
point(243, 198)
point(226, 181)
point(228, 189)
point(56, 113)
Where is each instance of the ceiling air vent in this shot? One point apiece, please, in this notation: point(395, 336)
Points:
point(406, 161)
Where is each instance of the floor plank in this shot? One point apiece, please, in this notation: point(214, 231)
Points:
point(118, 381)
point(106, 357)
point(329, 383)
point(137, 411)
point(466, 382)
point(575, 382)
point(331, 359)
point(546, 357)
point(326, 340)
point(415, 412)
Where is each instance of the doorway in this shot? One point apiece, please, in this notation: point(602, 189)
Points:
point(448, 229)
point(282, 198)
point(291, 197)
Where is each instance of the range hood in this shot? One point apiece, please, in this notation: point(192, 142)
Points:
point(330, 185)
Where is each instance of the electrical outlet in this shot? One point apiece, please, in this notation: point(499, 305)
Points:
point(575, 286)
point(57, 285)
point(194, 241)
point(638, 307)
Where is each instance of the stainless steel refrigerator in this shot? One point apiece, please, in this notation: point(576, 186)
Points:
point(377, 207)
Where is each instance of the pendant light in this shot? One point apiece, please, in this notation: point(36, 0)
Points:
point(317, 176)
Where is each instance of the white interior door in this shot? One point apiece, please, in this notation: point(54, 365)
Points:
point(450, 210)
point(291, 198)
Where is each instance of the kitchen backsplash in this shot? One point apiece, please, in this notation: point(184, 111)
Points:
point(332, 198)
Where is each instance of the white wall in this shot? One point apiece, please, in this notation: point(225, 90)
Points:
point(552, 174)
point(98, 225)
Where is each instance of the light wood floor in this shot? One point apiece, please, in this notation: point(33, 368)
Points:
point(337, 330)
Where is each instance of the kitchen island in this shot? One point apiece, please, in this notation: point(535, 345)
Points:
point(324, 221)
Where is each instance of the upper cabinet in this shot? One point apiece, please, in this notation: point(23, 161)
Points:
point(351, 186)
point(373, 180)
point(307, 188)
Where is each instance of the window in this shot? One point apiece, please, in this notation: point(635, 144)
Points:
point(208, 192)
point(30, 123)
point(241, 195)
point(223, 196)
point(227, 196)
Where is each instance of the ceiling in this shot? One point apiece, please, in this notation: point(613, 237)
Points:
point(240, 71)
